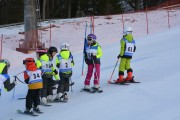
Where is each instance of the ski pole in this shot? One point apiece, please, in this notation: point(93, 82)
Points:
point(19, 73)
point(113, 72)
point(96, 71)
point(19, 79)
point(12, 101)
point(91, 28)
point(85, 42)
point(71, 85)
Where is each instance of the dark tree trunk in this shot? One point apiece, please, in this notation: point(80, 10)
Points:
point(69, 8)
point(137, 4)
point(30, 21)
point(44, 9)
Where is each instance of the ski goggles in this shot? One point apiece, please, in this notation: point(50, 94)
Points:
point(90, 38)
point(24, 61)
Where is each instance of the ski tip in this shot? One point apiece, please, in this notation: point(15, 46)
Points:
point(109, 81)
point(62, 101)
point(46, 105)
point(119, 83)
point(89, 91)
point(21, 112)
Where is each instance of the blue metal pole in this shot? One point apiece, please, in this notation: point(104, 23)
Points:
point(85, 45)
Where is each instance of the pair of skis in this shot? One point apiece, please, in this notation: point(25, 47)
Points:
point(31, 113)
point(92, 90)
point(124, 83)
point(39, 112)
point(59, 100)
point(54, 101)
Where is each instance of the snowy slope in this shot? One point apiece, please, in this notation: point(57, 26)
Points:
point(155, 64)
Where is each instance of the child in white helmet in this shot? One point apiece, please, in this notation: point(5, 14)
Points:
point(127, 49)
point(64, 62)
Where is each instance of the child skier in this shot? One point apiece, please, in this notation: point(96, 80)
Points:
point(128, 47)
point(32, 77)
point(46, 65)
point(4, 77)
point(52, 51)
point(65, 62)
point(93, 53)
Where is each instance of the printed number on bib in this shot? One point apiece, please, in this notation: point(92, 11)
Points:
point(36, 75)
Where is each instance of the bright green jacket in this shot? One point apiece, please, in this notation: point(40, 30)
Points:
point(2, 65)
point(45, 58)
point(129, 38)
point(89, 59)
point(65, 55)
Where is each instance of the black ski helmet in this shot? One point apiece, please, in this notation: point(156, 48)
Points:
point(52, 49)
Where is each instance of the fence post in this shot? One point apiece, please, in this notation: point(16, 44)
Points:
point(168, 15)
point(50, 36)
point(147, 23)
point(123, 21)
point(92, 24)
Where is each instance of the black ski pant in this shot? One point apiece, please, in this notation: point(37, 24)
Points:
point(8, 85)
point(32, 98)
point(47, 86)
point(63, 83)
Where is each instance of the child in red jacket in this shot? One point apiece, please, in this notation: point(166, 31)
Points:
point(32, 77)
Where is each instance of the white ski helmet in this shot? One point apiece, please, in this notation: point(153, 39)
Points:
point(64, 46)
point(127, 30)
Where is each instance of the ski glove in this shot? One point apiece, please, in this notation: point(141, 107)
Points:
point(72, 62)
point(119, 56)
point(93, 56)
point(15, 82)
point(56, 77)
point(87, 61)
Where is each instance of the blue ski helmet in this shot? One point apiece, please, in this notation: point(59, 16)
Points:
point(91, 37)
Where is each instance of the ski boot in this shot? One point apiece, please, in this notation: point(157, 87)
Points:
point(59, 96)
point(129, 78)
point(49, 98)
point(28, 111)
point(120, 80)
point(65, 97)
point(36, 109)
point(87, 88)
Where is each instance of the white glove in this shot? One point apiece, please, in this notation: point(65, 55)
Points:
point(50, 98)
point(15, 82)
point(94, 54)
point(44, 100)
